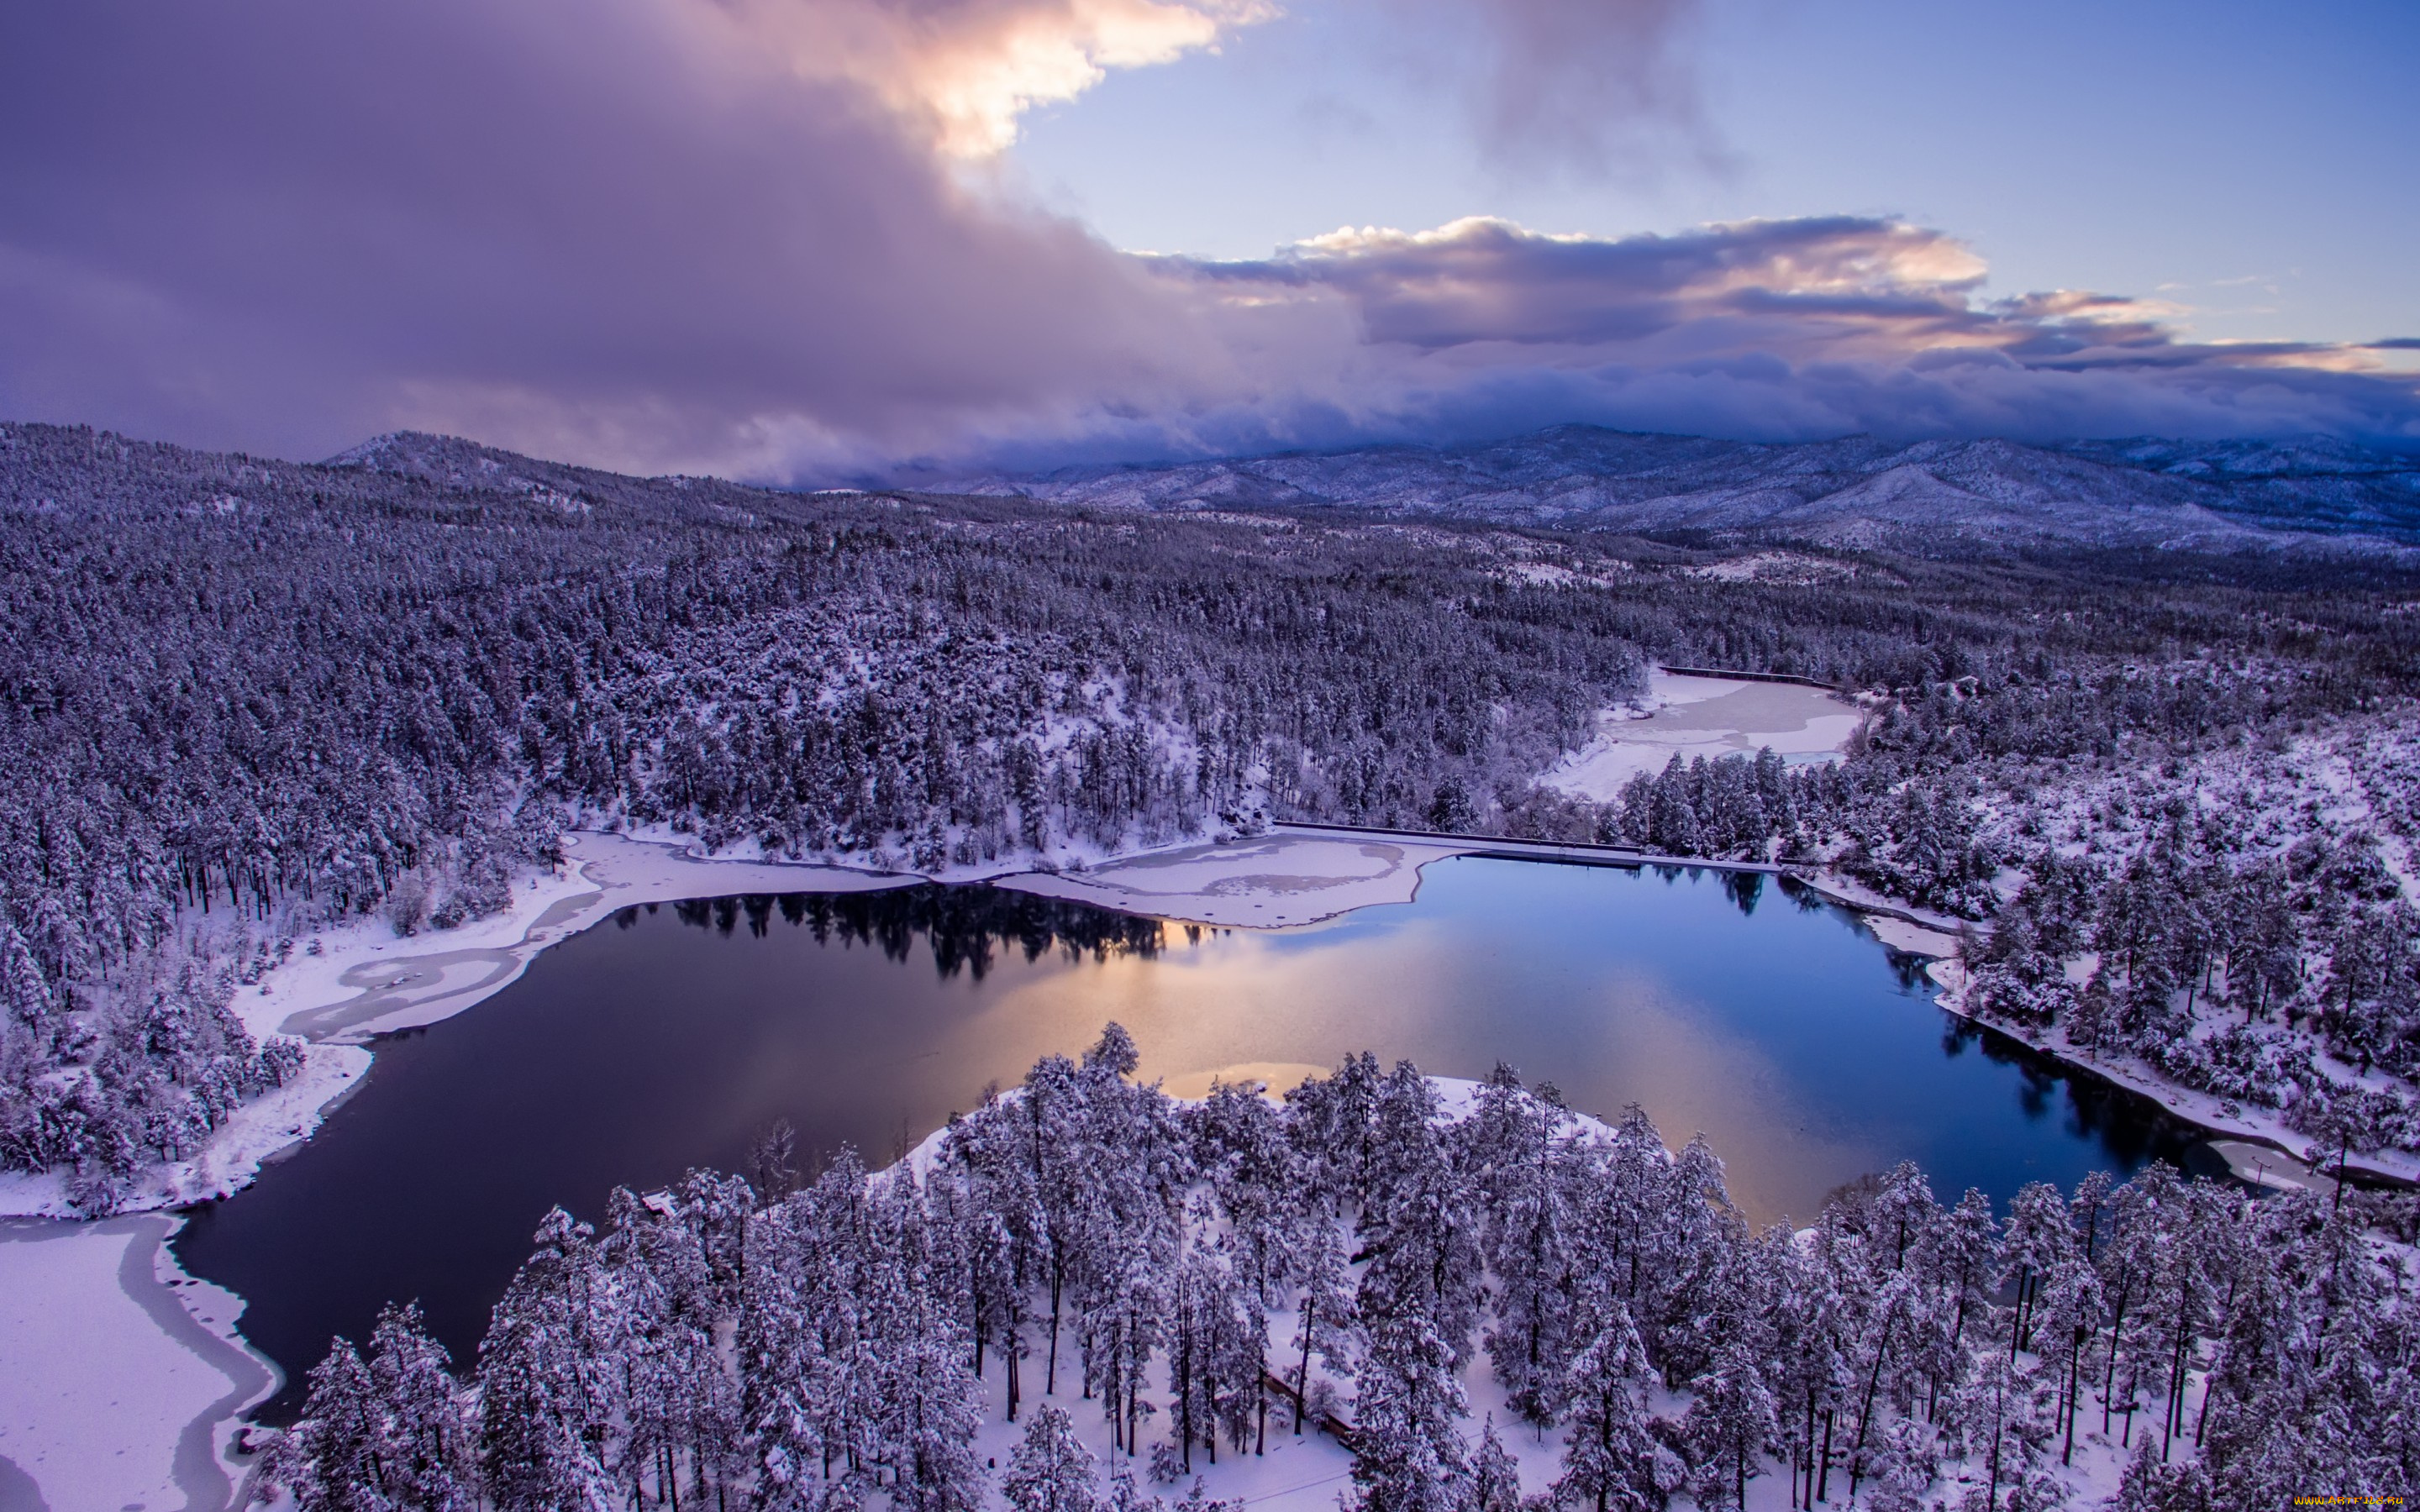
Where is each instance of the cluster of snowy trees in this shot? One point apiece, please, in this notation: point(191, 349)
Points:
point(245, 700)
point(1194, 1279)
point(2273, 981)
point(156, 1070)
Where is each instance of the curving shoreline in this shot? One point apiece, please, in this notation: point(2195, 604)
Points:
point(136, 1313)
point(2261, 1129)
point(366, 982)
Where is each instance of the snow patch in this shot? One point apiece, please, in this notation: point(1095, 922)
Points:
point(1689, 716)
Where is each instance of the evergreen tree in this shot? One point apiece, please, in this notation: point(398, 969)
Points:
point(338, 1456)
point(1051, 1471)
point(1328, 1320)
point(1407, 1454)
point(545, 1401)
point(431, 1467)
point(1495, 1475)
point(1730, 1423)
point(1611, 1460)
point(1511, 1150)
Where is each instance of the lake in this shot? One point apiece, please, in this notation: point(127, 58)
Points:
point(674, 1034)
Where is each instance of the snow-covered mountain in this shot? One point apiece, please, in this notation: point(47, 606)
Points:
point(1857, 490)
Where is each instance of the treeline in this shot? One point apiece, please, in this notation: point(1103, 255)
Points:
point(1193, 1279)
point(158, 1070)
point(964, 927)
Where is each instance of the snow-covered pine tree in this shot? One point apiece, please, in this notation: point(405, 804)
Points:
point(1408, 1455)
point(544, 1405)
point(1418, 1228)
point(1326, 1321)
point(338, 1456)
point(431, 1466)
point(919, 1400)
point(1511, 1148)
point(1051, 1469)
point(2002, 1420)
point(1611, 1460)
point(1495, 1475)
point(1730, 1423)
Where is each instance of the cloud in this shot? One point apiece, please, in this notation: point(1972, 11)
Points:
point(1482, 280)
point(1775, 329)
point(624, 227)
point(743, 236)
point(1602, 87)
point(969, 69)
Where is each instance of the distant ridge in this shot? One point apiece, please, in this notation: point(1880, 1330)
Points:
point(2315, 496)
point(1854, 491)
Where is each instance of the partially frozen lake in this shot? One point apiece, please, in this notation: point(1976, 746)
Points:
point(1688, 715)
point(675, 1034)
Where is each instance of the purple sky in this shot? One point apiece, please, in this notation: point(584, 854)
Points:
point(801, 239)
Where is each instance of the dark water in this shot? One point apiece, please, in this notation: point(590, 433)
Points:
point(673, 1036)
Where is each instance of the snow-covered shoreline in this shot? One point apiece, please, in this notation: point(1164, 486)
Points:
point(365, 980)
point(2258, 1128)
point(122, 1379)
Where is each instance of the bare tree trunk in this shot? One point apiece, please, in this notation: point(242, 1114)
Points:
point(2074, 1359)
point(1302, 1377)
point(2116, 1337)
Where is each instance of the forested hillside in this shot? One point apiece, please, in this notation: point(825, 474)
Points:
point(246, 699)
point(1152, 1283)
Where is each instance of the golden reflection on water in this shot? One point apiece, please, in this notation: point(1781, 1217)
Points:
point(1239, 998)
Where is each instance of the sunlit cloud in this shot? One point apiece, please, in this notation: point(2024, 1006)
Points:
point(969, 69)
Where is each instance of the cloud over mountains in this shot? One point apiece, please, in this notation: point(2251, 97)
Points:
point(761, 237)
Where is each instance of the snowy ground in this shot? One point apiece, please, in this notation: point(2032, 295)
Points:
point(1711, 716)
point(1308, 1474)
point(120, 1379)
point(1268, 882)
point(1903, 926)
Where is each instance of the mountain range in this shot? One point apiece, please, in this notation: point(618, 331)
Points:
point(1854, 491)
point(2311, 495)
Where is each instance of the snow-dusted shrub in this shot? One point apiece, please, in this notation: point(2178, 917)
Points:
point(407, 905)
point(2258, 1065)
point(2025, 990)
point(2355, 1118)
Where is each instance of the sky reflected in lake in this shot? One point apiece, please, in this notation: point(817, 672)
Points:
point(673, 1035)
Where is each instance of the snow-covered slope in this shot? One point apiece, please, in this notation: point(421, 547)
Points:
point(1855, 490)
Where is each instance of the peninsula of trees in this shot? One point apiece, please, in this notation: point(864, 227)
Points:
point(1174, 1282)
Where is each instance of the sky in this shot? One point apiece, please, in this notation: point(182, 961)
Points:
point(819, 241)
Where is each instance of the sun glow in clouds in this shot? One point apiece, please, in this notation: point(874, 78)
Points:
point(971, 70)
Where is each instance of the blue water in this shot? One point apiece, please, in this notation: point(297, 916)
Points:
point(673, 1036)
